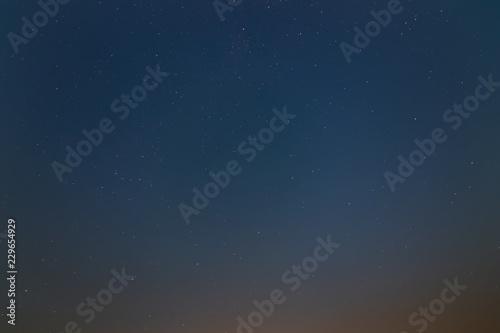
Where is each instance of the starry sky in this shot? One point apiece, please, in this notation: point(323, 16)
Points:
point(217, 85)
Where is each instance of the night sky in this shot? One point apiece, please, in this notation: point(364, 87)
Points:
point(188, 158)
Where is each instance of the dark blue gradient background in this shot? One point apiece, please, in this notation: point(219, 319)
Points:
point(323, 175)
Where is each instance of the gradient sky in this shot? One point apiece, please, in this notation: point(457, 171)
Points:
point(322, 175)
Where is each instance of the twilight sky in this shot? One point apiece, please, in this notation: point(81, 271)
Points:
point(264, 166)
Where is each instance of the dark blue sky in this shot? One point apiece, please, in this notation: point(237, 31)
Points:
point(322, 175)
